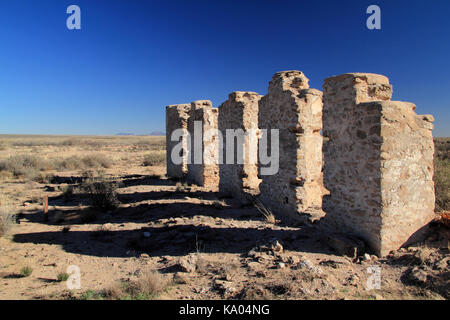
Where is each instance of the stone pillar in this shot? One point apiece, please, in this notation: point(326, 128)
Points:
point(295, 192)
point(177, 118)
point(203, 168)
point(378, 162)
point(238, 123)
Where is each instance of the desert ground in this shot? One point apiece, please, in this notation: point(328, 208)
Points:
point(134, 234)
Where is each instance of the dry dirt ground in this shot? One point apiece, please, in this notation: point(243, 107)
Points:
point(202, 246)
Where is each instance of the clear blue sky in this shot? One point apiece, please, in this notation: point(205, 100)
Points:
point(133, 57)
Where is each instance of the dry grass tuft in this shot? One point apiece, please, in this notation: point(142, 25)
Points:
point(266, 212)
point(148, 286)
point(154, 158)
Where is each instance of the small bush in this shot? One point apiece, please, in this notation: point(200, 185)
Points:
point(101, 192)
point(155, 158)
point(3, 146)
point(6, 216)
point(92, 295)
point(63, 276)
point(86, 162)
point(149, 286)
point(26, 271)
point(25, 166)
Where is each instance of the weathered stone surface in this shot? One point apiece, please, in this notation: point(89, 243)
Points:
point(295, 192)
point(378, 162)
point(203, 167)
point(239, 114)
point(176, 118)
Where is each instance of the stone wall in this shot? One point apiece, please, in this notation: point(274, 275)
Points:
point(377, 159)
point(378, 162)
point(240, 114)
point(177, 118)
point(295, 192)
point(203, 168)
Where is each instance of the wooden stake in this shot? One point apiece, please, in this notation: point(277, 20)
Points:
point(45, 208)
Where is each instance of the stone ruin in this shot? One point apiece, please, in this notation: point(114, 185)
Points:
point(239, 175)
point(203, 168)
point(370, 175)
point(378, 162)
point(295, 191)
point(177, 116)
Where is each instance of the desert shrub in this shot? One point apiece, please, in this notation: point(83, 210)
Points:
point(148, 286)
point(86, 162)
point(155, 158)
point(3, 145)
point(92, 295)
point(6, 216)
point(26, 271)
point(96, 161)
point(102, 192)
point(63, 276)
point(25, 166)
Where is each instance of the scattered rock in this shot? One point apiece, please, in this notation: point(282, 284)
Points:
point(293, 260)
point(418, 275)
point(188, 263)
point(180, 278)
point(275, 245)
point(306, 264)
point(442, 264)
point(144, 256)
point(281, 265)
point(225, 286)
point(253, 292)
point(252, 266)
point(352, 280)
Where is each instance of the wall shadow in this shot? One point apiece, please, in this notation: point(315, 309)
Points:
point(175, 240)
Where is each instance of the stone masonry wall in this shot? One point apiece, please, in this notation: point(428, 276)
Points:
point(240, 178)
point(205, 173)
point(295, 192)
point(378, 162)
point(176, 118)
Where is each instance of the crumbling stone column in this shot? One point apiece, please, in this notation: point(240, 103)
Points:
point(295, 191)
point(239, 115)
point(177, 118)
point(203, 167)
point(378, 162)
